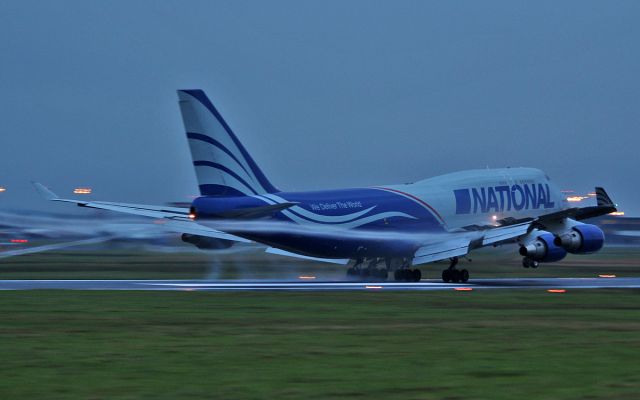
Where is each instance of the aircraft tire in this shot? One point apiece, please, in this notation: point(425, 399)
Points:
point(455, 276)
point(446, 275)
point(464, 275)
point(416, 275)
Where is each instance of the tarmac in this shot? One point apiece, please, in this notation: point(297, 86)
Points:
point(309, 284)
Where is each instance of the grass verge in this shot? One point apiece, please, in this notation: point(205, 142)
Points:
point(248, 345)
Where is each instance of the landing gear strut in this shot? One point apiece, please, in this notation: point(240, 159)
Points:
point(454, 275)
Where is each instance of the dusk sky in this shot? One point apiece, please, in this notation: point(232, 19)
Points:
point(323, 94)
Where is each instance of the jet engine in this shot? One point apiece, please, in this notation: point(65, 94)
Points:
point(543, 249)
point(581, 239)
point(206, 243)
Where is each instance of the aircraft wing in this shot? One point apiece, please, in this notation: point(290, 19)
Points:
point(441, 251)
point(135, 209)
point(461, 243)
point(478, 236)
point(604, 206)
point(177, 219)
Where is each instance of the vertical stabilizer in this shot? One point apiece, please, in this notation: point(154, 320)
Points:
point(223, 166)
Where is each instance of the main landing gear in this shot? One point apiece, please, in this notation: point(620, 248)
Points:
point(454, 275)
point(407, 275)
point(371, 272)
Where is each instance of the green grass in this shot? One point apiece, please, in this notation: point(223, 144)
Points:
point(372, 345)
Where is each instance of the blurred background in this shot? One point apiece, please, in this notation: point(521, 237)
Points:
point(388, 92)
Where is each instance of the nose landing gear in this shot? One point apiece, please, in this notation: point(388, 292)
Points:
point(529, 263)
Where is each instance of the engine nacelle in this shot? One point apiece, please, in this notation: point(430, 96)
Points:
point(206, 243)
point(581, 239)
point(543, 249)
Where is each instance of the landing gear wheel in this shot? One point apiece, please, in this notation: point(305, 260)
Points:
point(455, 275)
point(464, 275)
point(407, 275)
point(416, 275)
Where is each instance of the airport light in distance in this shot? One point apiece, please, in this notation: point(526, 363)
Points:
point(3, 189)
point(82, 190)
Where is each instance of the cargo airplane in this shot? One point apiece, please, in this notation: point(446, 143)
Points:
point(374, 230)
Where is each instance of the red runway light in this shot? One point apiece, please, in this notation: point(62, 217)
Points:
point(19, 241)
point(306, 277)
point(463, 289)
point(556, 290)
point(606, 276)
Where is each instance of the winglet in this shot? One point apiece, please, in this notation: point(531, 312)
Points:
point(603, 198)
point(44, 191)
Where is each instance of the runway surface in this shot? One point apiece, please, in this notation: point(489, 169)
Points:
point(312, 285)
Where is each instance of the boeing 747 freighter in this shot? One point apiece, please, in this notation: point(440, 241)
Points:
point(374, 230)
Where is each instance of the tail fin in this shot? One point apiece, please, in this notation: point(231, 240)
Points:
point(223, 166)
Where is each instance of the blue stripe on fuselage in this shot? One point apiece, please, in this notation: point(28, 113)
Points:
point(338, 203)
point(336, 244)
